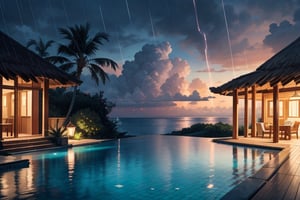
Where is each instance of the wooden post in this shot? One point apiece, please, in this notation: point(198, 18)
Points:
point(246, 114)
point(45, 106)
point(275, 114)
point(253, 112)
point(1, 96)
point(235, 126)
point(17, 112)
point(263, 107)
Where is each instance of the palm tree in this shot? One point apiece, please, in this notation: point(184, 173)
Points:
point(77, 54)
point(40, 47)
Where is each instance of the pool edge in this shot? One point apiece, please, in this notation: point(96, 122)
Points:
point(249, 187)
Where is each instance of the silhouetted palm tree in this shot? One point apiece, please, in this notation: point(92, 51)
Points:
point(40, 47)
point(77, 54)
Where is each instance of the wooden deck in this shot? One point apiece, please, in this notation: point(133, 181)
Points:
point(278, 179)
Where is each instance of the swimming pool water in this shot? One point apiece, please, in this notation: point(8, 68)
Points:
point(145, 167)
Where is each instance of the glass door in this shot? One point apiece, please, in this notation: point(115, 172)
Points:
point(8, 109)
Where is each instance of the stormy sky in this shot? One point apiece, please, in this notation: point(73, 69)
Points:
point(169, 51)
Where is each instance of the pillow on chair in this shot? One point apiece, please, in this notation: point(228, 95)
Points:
point(288, 123)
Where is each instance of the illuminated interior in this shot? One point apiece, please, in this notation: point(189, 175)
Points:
point(25, 112)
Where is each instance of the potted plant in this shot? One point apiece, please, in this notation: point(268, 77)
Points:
point(59, 135)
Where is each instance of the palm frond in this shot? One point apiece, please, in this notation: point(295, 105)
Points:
point(106, 62)
point(100, 72)
point(94, 74)
point(57, 59)
point(49, 43)
point(65, 50)
point(31, 43)
point(93, 44)
point(67, 66)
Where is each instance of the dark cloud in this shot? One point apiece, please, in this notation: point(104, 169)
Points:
point(282, 34)
point(155, 20)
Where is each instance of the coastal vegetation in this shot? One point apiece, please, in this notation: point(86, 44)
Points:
point(89, 113)
point(77, 55)
point(207, 130)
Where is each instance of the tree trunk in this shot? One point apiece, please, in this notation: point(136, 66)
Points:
point(70, 106)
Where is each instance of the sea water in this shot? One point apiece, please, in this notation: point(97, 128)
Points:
point(146, 126)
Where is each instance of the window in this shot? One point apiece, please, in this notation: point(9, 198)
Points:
point(26, 102)
point(293, 108)
point(270, 108)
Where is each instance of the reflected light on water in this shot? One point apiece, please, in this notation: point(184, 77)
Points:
point(211, 165)
point(71, 163)
point(119, 157)
point(211, 120)
point(186, 121)
point(153, 167)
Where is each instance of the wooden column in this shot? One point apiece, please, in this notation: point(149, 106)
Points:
point(275, 113)
point(45, 107)
point(246, 114)
point(17, 112)
point(263, 107)
point(253, 112)
point(1, 96)
point(235, 126)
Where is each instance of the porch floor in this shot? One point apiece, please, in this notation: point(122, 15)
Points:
point(278, 179)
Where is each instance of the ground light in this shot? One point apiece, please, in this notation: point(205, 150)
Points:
point(71, 130)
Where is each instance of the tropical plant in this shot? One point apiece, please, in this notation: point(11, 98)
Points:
point(59, 134)
point(77, 54)
point(58, 131)
point(40, 46)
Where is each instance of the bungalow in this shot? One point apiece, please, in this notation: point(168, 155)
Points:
point(275, 84)
point(24, 82)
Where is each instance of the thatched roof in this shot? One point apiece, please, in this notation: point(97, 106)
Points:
point(16, 60)
point(282, 69)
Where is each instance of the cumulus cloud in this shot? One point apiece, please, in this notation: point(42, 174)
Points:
point(153, 79)
point(282, 34)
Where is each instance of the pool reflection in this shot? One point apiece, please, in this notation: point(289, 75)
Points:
point(151, 167)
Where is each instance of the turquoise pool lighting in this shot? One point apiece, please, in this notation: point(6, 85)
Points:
point(145, 167)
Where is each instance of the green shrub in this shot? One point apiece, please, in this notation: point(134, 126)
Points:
point(87, 122)
point(206, 130)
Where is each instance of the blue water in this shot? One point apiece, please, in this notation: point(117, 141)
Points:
point(145, 126)
point(145, 167)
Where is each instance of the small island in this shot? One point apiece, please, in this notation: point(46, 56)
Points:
point(205, 130)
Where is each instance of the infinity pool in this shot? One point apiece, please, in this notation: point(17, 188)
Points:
point(145, 167)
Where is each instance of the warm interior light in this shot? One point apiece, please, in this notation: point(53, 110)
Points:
point(71, 129)
point(295, 96)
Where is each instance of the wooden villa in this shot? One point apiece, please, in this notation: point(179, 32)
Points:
point(24, 82)
point(276, 84)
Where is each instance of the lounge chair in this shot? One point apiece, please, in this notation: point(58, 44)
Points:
point(295, 129)
point(261, 131)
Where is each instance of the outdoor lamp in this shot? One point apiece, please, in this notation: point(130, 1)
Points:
point(71, 129)
point(295, 96)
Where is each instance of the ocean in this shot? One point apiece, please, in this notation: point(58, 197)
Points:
point(152, 126)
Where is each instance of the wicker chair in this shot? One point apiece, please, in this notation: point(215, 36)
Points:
point(295, 129)
point(261, 131)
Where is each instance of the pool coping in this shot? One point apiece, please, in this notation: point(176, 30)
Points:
point(251, 185)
